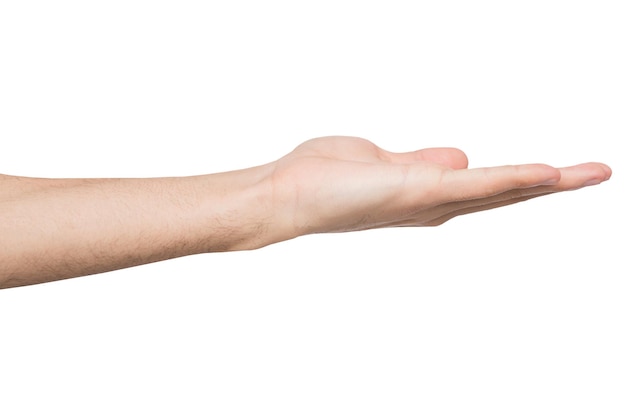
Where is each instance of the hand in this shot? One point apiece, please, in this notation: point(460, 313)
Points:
point(337, 184)
point(53, 229)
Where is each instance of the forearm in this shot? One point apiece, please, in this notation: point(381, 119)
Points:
point(56, 229)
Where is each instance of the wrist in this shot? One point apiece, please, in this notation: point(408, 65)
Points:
point(240, 211)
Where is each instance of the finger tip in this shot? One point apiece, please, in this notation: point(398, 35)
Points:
point(457, 158)
point(608, 172)
point(596, 173)
point(451, 157)
point(602, 172)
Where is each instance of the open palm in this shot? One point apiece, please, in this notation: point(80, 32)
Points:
point(336, 184)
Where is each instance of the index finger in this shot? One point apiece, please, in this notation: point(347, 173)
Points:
point(470, 184)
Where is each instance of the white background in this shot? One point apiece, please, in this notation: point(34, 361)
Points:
point(515, 312)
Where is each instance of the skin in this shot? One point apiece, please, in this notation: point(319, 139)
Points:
point(53, 229)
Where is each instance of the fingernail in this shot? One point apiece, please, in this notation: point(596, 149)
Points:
point(594, 181)
point(551, 181)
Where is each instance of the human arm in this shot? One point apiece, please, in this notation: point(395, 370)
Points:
point(53, 229)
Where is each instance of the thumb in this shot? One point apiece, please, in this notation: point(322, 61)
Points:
point(450, 157)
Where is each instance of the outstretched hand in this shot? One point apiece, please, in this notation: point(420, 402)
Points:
point(336, 184)
point(53, 229)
